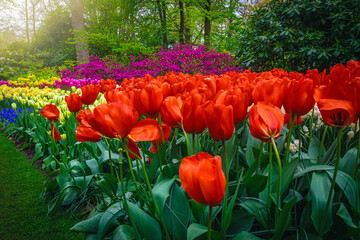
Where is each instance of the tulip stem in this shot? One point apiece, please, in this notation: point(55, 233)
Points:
point(187, 142)
point(130, 166)
point(209, 223)
point(227, 180)
point(292, 121)
point(108, 142)
point(159, 156)
point(258, 161)
point(193, 143)
point(153, 198)
point(278, 197)
point(356, 159)
point(124, 196)
point(269, 176)
point(338, 153)
point(311, 124)
point(237, 165)
point(322, 143)
point(161, 128)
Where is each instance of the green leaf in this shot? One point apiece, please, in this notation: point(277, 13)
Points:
point(195, 230)
point(147, 226)
point(344, 214)
point(161, 192)
point(314, 149)
point(252, 144)
point(109, 217)
point(93, 165)
point(313, 168)
point(246, 236)
point(124, 232)
point(255, 184)
point(89, 225)
point(330, 152)
point(288, 174)
point(347, 184)
point(284, 220)
point(320, 189)
point(176, 214)
point(241, 220)
point(347, 162)
point(258, 209)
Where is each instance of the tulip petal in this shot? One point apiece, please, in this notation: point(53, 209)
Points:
point(87, 134)
point(212, 180)
point(146, 130)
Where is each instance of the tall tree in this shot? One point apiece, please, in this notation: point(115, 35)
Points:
point(161, 5)
point(182, 22)
point(82, 53)
point(33, 5)
point(27, 21)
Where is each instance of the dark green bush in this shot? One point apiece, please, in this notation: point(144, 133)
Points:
point(301, 34)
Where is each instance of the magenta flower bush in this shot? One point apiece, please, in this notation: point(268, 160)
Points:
point(182, 58)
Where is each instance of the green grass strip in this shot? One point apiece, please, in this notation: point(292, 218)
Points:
point(23, 214)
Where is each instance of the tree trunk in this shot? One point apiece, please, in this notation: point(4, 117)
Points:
point(27, 21)
point(187, 29)
point(182, 22)
point(207, 24)
point(162, 14)
point(82, 53)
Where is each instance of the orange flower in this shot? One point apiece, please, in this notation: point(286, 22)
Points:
point(299, 98)
point(266, 121)
point(194, 120)
point(51, 112)
point(73, 102)
point(54, 133)
point(87, 134)
point(336, 113)
point(240, 102)
point(203, 179)
point(89, 93)
point(107, 85)
point(151, 98)
point(271, 91)
point(220, 121)
point(170, 111)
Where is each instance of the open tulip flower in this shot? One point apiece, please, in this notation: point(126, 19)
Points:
point(89, 93)
point(266, 121)
point(336, 113)
point(203, 179)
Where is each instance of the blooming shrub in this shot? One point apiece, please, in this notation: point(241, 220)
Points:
point(182, 58)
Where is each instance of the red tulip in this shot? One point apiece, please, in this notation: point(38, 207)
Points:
point(240, 102)
point(194, 120)
point(266, 121)
point(336, 113)
point(89, 93)
point(299, 98)
point(106, 85)
point(203, 179)
point(51, 112)
point(54, 133)
point(73, 102)
point(271, 91)
point(220, 121)
point(170, 111)
point(151, 98)
point(87, 134)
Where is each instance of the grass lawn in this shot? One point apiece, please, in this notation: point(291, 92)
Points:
point(23, 215)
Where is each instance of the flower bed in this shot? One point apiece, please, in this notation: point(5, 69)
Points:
point(240, 155)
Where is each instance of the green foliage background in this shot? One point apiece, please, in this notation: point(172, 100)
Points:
point(300, 35)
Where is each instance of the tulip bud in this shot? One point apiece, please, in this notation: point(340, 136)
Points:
point(13, 106)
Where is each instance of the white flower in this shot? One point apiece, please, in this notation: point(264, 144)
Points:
point(351, 134)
